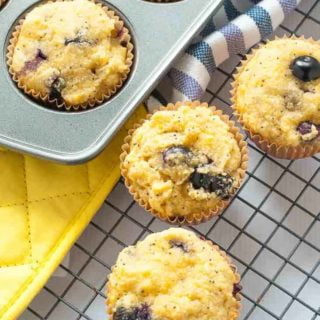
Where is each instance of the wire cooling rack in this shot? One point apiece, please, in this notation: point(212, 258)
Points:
point(271, 229)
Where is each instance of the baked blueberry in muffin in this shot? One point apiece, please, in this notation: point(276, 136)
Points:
point(306, 68)
point(220, 184)
point(135, 313)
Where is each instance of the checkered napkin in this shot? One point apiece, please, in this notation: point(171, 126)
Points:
point(238, 26)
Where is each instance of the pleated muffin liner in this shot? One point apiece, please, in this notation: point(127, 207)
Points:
point(197, 217)
point(233, 267)
point(272, 148)
point(125, 38)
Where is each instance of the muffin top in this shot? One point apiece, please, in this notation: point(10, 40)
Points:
point(278, 92)
point(173, 275)
point(183, 161)
point(72, 51)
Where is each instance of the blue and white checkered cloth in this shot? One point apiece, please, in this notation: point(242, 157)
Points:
point(239, 25)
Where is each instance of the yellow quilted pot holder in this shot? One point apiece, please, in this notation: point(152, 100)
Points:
point(44, 207)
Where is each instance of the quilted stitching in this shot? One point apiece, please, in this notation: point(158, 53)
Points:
point(40, 203)
point(63, 179)
point(11, 192)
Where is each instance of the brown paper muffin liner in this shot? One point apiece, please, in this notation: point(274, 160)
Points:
point(2, 2)
point(274, 149)
point(236, 291)
point(197, 217)
point(125, 39)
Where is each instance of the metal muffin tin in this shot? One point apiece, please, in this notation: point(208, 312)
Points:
point(160, 31)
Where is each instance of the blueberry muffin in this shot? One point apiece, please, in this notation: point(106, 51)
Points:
point(276, 96)
point(76, 53)
point(173, 275)
point(184, 162)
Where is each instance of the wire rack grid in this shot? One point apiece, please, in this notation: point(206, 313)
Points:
point(271, 229)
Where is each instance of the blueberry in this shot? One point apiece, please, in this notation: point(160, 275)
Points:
point(137, 313)
point(200, 180)
point(304, 127)
point(176, 155)
point(220, 184)
point(56, 88)
point(178, 244)
point(33, 64)
point(143, 312)
point(307, 127)
point(122, 314)
point(41, 55)
point(77, 40)
point(305, 68)
point(236, 289)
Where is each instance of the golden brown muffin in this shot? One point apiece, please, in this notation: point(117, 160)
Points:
point(173, 275)
point(184, 162)
point(75, 52)
point(277, 96)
